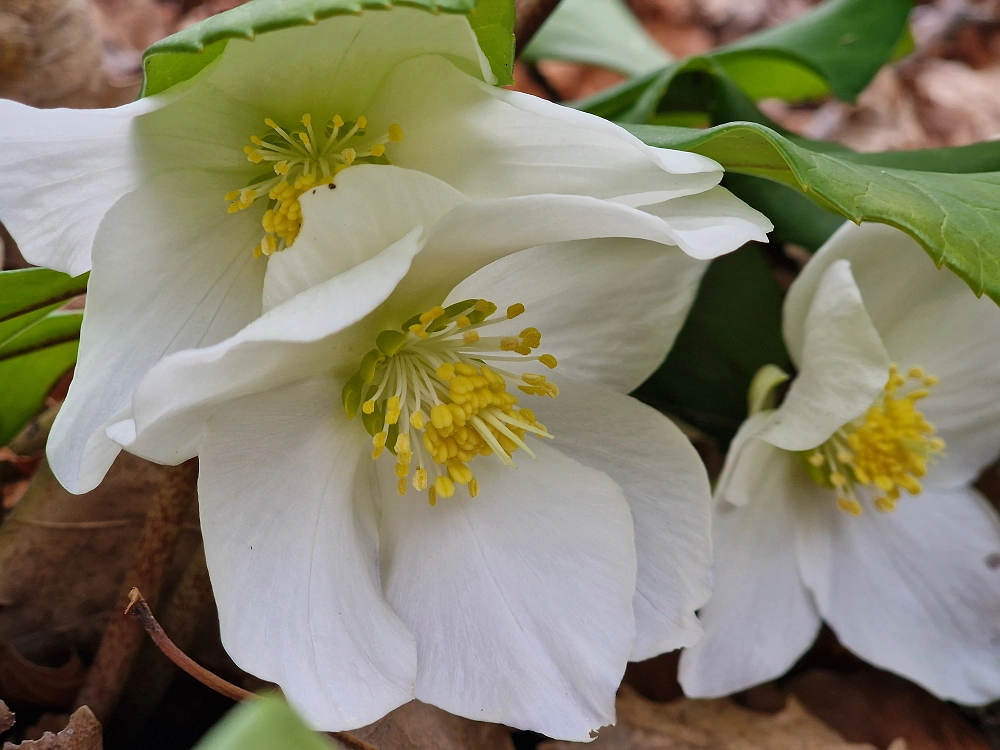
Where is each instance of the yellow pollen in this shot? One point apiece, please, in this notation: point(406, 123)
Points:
point(514, 310)
point(302, 161)
point(433, 393)
point(886, 449)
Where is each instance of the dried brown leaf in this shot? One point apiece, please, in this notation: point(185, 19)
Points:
point(53, 685)
point(6, 717)
point(82, 733)
point(63, 557)
point(418, 726)
point(710, 725)
point(869, 705)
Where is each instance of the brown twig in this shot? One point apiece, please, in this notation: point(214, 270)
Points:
point(138, 608)
point(531, 14)
point(121, 641)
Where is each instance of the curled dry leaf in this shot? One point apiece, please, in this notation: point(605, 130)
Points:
point(710, 725)
point(418, 726)
point(52, 684)
point(6, 717)
point(50, 53)
point(82, 733)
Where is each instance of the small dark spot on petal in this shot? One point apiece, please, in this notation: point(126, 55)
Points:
point(314, 192)
point(993, 560)
point(331, 186)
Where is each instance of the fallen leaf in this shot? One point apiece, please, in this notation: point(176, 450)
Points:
point(418, 726)
point(869, 705)
point(710, 725)
point(63, 557)
point(51, 685)
point(82, 733)
point(50, 54)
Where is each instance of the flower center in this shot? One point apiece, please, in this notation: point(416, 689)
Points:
point(303, 159)
point(886, 448)
point(427, 395)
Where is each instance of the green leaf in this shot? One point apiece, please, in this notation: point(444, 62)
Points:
point(181, 56)
point(604, 33)
point(956, 217)
point(30, 289)
point(25, 382)
point(836, 48)
point(265, 723)
point(733, 329)
point(52, 330)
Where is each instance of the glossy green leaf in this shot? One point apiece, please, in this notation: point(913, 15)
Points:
point(30, 289)
point(266, 723)
point(26, 381)
point(181, 56)
point(733, 329)
point(836, 48)
point(956, 217)
point(604, 33)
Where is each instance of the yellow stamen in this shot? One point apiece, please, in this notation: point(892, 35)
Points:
point(305, 159)
point(444, 403)
point(885, 449)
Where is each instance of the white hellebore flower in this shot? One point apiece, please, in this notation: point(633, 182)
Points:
point(143, 191)
point(851, 502)
point(398, 501)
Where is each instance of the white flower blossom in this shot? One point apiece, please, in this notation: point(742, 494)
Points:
point(851, 503)
point(402, 98)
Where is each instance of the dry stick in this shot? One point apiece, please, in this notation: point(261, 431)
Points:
point(153, 552)
point(138, 608)
point(531, 14)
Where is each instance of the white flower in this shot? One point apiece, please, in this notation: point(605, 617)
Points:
point(144, 189)
point(851, 503)
point(358, 579)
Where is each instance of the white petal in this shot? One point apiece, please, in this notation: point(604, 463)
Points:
point(478, 233)
point(291, 543)
point(746, 460)
point(712, 223)
point(760, 618)
point(927, 317)
point(371, 208)
point(915, 591)
point(336, 67)
point(491, 143)
point(292, 341)
point(666, 486)
point(609, 310)
point(520, 599)
point(843, 366)
point(63, 169)
point(192, 282)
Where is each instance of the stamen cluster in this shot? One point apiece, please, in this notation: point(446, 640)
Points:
point(427, 394)
point(302, 160)
point(886, 448)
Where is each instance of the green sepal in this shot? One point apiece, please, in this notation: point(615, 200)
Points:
point(369, 364)
point(376, 420)
point(351, 394)
point(390, 342)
